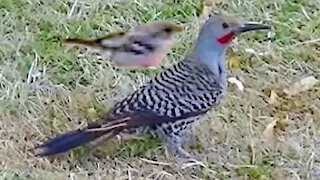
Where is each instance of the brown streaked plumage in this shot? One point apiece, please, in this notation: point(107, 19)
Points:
point(144, 46)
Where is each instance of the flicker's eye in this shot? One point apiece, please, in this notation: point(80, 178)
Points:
point(225, 25)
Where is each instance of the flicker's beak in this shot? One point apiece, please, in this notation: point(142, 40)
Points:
point(251, 26)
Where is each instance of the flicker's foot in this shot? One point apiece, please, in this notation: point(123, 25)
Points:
point(184, 159)
point(182, 153)
point(175, 146)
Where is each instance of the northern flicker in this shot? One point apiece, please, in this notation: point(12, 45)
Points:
point(172, 100)
point(144, 46)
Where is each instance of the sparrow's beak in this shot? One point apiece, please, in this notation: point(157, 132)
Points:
point(176, 28)
point(251, 26)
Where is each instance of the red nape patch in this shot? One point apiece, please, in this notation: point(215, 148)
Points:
point(226, 38)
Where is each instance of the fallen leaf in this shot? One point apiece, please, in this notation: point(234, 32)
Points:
point(271, 34)
point(234, 61)
point(250, 50)
point(273, 97)
point(300, 86)
point(268, 134)
point(281, 127)
point(275, 130)
point(238, 83)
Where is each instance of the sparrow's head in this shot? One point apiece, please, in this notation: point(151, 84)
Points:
point(223, 29)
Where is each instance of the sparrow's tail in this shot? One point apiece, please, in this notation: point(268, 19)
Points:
point(109, 42)
point(80, 137)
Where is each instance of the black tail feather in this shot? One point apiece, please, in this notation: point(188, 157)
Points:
point(67, 141)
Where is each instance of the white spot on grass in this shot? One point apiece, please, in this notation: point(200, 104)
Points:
point(238, 83)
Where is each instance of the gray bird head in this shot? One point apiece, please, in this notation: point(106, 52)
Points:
point(224, 28)
point(214, 38)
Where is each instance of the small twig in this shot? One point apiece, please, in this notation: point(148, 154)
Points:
point(72, 176)
point(118, 78)
point(194, 163)
point(72, 8)
point(155, 162)
point(242, 166)
point(310, 160)
point(161, 174)
point(311, 41)
point(307, 42)
point(34, 63)
point(305, 13)
point(295, 174)
point(129, 174)
point(251, 135)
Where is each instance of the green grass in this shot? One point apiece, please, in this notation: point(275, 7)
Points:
point(256, 172)
point(137, 148)
point(47, 89)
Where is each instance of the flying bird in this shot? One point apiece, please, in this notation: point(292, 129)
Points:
point(144, 46)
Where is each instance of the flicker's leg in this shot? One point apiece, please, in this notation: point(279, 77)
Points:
point(175, 144)
point(173, 137)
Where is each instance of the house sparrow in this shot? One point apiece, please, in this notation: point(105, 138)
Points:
point(144, 46)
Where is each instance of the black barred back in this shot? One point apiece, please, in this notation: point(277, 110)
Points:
point(186, 88)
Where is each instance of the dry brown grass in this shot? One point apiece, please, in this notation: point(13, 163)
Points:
point(46, 89)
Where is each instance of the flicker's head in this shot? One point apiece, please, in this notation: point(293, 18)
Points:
point(224, 28)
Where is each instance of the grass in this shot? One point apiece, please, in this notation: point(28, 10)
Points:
point(46, 89)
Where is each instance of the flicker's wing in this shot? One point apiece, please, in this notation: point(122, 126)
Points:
point(186, 90)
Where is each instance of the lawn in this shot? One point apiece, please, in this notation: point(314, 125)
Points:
point(260, 133)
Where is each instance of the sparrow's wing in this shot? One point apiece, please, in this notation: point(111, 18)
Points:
point(139, 45)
